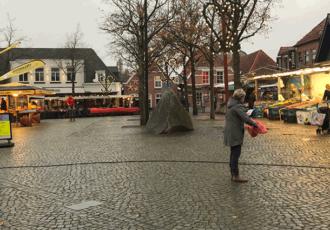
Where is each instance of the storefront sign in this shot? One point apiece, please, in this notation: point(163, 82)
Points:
point(292, 59)
point(279, 63)
point(5, 127)
point(22, 69)
point(40, 91)
point(18, 92)
point(55, 90)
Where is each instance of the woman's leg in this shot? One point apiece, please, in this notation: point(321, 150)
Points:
point(234, 156)
point(235, 152)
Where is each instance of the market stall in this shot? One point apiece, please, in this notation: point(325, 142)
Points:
point(300, 92)
point(55, 107)
point(18, 101)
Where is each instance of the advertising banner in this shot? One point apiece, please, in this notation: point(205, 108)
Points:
point(22, 69)
point(12, 46)
point(5, 127)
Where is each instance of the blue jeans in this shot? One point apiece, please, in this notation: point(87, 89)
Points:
point(235, 152)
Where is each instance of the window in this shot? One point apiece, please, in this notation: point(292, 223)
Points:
point(69, 73)
point(158, 97)
point(306, 57)
point(300, 59)
point(150, 100)
point(219, 77)
point(285, 64)
point(23, 77)
point(313, 52)
point(199, 98)
point(205, 77)
point(158, 82)
point(39, 74)
point(55, 74)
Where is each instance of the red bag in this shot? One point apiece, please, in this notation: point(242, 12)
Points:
point(254, 131)
point(261, 127)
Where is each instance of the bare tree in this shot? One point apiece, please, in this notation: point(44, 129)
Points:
point(74, 56)
point(127, 25)
point(188, 29)
point(245, 18)
point(120, 66)
point(9, 35)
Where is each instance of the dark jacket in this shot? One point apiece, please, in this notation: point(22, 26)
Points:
point(326, 95)
point(235, 119)
point(252, 99)
point(3, 105)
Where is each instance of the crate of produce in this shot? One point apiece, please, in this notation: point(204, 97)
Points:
point(274, 117)
point(257, 114)
point(284, 112)
point(290, 119)
point(292, 112)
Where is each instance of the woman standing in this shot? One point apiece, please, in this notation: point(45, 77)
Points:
point(326, 95)
point(252, 99)
point(234, 131)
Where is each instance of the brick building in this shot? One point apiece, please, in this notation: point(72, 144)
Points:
point(303, 53)
point(155, 84)
point(202, 79)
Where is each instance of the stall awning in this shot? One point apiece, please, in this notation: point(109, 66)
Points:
point(22, 89)
point(316, 68)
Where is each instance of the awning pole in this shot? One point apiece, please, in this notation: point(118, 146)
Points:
point(278, 87)
point(256, 88)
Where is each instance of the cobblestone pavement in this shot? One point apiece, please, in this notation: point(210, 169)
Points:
point(176, 181)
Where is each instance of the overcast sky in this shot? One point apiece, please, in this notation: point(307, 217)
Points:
point(46, 23)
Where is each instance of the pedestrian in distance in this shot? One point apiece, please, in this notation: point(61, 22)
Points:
point(252, 99)
point(71, 107)
point(3, 104)
point(234, 131)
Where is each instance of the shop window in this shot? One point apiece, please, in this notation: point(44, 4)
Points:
point(313, 52)
point(306, 55)
point(219, 77)
point(55, 74)
point(39, 74)
point(158, 97)
point(69, 74)
point(205, 77)
point(23, 77)
point(158, 82)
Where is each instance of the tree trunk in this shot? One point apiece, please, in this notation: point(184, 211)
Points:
point(186, 101)
point(72, 81)
point(185, 85)
point(237, 69)
point(212, 115)
point(142, 91)
point(192, 66)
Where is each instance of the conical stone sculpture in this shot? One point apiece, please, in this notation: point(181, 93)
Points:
point(169, 116)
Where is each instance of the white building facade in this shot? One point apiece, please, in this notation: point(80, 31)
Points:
point(52, 77)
